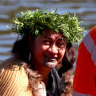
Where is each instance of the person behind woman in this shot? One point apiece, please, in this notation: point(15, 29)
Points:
point(44, 38)
point(85, 74)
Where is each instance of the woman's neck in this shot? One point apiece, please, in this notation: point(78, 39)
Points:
point(43, 71)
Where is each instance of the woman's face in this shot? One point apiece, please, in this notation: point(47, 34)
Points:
point(48, 50)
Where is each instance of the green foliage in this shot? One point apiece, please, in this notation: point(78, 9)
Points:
point(35, 22)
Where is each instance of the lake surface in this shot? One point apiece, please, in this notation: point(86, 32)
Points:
point(85, 10)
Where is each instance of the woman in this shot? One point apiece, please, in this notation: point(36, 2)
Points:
point(45, 37)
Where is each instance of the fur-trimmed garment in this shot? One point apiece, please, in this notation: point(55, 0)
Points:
point(15, 81)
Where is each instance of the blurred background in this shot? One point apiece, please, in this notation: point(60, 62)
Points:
point(85, 10)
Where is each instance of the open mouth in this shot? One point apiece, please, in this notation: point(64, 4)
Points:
point(50, 59)
point(49, 62)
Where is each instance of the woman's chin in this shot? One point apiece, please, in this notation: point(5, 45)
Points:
point(50, 65)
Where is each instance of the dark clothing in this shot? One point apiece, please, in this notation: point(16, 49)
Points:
point(55, 86)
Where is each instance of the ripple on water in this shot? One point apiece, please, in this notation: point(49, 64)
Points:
point(3, 57)
point(11, 36)
point(4, 49)
point(7, 9)
point(3, 26)
point(6, 42)
point(4, 16)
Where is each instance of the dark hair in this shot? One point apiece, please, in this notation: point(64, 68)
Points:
point(68, 59)
point(64, 71)
point(21, 48)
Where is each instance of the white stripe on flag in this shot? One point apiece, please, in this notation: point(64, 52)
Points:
point(80, 94)
point(91, 47)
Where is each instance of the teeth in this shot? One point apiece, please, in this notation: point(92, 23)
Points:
point(51, 59)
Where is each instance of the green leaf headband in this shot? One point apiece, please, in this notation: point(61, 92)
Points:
point(35, 22)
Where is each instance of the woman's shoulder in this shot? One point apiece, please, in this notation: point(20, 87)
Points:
point(13, 79)
point(11, 70)
point(12, 67)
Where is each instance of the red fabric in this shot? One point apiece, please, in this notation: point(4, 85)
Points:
point(85, 74)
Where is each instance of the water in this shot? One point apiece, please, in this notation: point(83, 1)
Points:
point(85, 9)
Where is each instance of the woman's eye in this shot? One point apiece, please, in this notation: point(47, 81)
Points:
point(46, 41)
point(60, 44)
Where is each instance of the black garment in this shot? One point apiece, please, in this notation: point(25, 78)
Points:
point(55, 85)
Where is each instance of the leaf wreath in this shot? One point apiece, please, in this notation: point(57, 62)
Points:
point(35, 22)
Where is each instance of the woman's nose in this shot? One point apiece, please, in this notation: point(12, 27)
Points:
point(53, 49)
